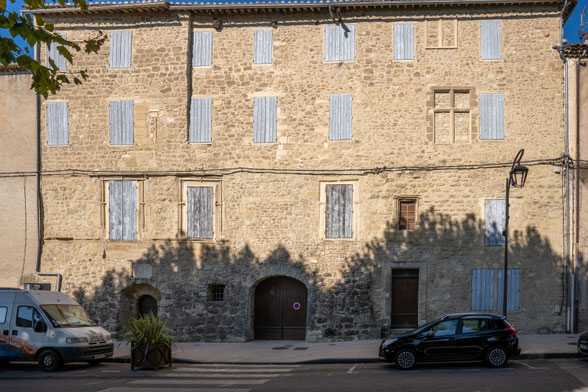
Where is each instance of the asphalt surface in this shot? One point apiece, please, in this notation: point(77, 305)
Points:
point(519, 375)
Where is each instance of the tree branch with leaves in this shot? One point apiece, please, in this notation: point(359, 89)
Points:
point(33, 29)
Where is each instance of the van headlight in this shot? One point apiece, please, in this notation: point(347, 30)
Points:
point(76, 340)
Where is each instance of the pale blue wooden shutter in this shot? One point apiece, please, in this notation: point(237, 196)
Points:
point(202, 49)
point(403, 41)
point(262, 47)
point(340, 117)
point(121, 122)
point(339, 43)
point(512, 288)
point(490, 39)
point(200, 206)
point(200, 120)
point(494, 222)
point(339, 211)
point(53, 54)
point(264, 119)
point(491, 116)
point(482, 289)
point(120, 49)
point(57, 124)
point(122, 210)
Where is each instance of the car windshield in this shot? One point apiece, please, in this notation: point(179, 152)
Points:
point(68, 316)
point(427, 325)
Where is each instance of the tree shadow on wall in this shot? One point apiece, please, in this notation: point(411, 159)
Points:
point(349, 283)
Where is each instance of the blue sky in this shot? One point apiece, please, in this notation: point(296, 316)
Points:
point(571, 28)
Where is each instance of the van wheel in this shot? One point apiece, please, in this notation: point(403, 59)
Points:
point(49, 361)
point(405, 359)
point(496, 357)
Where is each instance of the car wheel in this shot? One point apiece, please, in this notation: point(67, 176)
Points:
point(496, 357)
point(405, 359)
point(49, 361)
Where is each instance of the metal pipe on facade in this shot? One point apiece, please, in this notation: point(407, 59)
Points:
point(37, 52)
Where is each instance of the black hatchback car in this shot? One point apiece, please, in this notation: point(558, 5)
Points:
point(455, 337)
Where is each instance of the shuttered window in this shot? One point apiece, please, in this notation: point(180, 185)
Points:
point(53, 54)
point(492, 116)
point(262, 50)
point(494, 222)
point(264, 119)
point(200, 206)
point(339, 43)
point(57, 124)
point(121, 122)
point(200, 120)
point(407, 214)
point(490, 39)
point(120, 49)
point(202, 49)
point(482, 289)
point(512, 288)
point(339, 211)
point(403, 41)
point(340, 116)
point(122, 209)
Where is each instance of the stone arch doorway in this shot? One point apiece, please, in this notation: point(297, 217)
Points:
point(280, 309)
point(132, 297)
point(147, 304)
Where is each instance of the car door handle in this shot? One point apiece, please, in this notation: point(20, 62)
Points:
point(15, 332)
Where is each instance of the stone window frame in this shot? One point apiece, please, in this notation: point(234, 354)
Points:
point(431, 110)
point(323, 204)
point(217, 213)
point(104, 206)
point(439, 22)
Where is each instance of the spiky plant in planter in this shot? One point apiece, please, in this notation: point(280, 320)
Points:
point(151, 342)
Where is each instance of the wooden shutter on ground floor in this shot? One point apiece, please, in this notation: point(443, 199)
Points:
point(482, 289)
point(512, 288)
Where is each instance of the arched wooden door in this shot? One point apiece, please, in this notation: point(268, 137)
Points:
point(280, 309)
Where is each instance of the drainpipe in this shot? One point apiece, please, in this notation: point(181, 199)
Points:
point(577, 198)
point(37, 51)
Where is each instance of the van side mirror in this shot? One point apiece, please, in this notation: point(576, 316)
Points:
point(40, 326)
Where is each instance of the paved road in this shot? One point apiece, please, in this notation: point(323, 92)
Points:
point(529, 375)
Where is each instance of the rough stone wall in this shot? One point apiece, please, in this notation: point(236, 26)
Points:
point(270, 222)
point(18, 215)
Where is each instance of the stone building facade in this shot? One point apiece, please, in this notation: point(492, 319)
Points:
point(18, 186)
point(366, 160)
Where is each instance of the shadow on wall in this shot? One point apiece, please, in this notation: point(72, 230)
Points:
point(347, 299)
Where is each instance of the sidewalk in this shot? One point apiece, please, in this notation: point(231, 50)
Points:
point(364, 351)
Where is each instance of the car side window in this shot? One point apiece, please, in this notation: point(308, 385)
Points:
point(477, 325)
point(444, 328)
point(27, 317)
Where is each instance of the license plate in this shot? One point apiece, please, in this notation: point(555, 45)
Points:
point(584, 346)
point(99, 356)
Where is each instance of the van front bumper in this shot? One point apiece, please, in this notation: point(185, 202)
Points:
point(84, 354)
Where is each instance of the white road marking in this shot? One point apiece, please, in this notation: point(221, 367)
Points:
point(578, 372)
point(352, 369)
point(533, 367)
point(218, 375)
point(223, 370)
point(126, 389)
point(228, 366)
point(197, 382)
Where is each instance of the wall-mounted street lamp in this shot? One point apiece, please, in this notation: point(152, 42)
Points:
point(516, 178)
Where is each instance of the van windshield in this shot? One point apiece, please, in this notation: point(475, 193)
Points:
point(68, 316)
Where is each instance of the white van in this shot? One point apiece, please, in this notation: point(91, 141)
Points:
point(49, 327)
